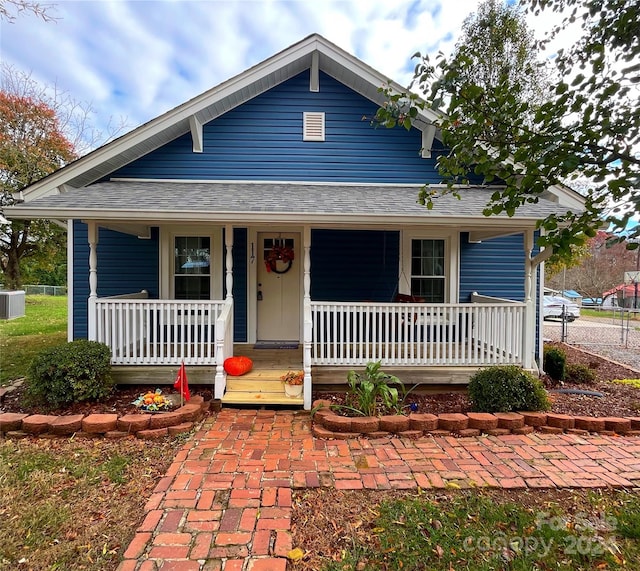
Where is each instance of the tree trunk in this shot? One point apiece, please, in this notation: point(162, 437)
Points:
point(13, 278)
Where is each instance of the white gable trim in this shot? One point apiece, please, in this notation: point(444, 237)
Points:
point(331, 59)
point(190, 116)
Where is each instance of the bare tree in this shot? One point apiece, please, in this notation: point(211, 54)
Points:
point(41, 129)
point(601, 268)
point(11, 9)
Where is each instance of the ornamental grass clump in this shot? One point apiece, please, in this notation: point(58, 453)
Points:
point(374, 391)
point(69, 373)
point(506, 388)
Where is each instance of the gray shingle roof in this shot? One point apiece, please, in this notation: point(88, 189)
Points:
point(245, 200)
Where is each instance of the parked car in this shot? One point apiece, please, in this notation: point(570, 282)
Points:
point(554, 307)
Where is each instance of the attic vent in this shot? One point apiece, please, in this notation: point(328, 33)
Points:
point(313, 126)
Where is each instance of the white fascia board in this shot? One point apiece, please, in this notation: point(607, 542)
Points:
point(181, 113)
point(368, 74)
point(560, 194)
point(150, 217)
point(565, 196)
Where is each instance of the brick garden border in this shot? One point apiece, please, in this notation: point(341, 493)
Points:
point(326, 424)
point(141, 425)
point(329, 425)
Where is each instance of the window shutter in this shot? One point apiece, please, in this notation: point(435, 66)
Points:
point(313, 126)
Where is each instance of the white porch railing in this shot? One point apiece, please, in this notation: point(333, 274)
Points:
point(224, 347)
point(406, 334)
point(158, 332)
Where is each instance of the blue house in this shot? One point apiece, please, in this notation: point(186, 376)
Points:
point(268, 213)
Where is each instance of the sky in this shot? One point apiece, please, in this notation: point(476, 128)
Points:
point(132, 60)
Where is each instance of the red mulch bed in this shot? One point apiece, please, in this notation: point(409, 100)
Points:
point(617, 399)
point(120, 401)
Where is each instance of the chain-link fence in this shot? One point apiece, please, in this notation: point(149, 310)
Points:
point(614, 334)
point(45, 290)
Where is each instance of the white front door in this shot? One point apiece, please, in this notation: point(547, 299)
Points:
point(279, 264)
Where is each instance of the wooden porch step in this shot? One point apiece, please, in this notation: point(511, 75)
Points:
point(259, 387)
point(260, 399)
point(268, 377)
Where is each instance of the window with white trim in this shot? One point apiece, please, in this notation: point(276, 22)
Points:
point(192, 267)
point(429, 266)
point(191, 262)
point(428, 270)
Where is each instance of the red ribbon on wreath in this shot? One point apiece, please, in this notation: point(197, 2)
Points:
point(282, 254)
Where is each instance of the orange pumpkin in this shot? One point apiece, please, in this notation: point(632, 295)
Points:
point(237, 366)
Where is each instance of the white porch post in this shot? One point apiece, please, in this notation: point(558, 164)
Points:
point(93, 280)
point(529, 322)
point(228, 238)
point(308, 324)
point(222, 344)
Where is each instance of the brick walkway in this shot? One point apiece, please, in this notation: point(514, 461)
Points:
point(225, 502)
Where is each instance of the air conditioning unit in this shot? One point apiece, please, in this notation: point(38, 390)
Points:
point(11, 304)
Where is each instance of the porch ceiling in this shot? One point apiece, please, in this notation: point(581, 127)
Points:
point(250, 202)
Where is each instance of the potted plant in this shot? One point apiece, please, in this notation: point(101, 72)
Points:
point(293, 383)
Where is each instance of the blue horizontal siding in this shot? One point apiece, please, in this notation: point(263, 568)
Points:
point(240, 295)
point(350, 265)
point(262, 140)
point(494, 267)
point(126, 264)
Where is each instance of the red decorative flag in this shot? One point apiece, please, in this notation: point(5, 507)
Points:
point(181, 383)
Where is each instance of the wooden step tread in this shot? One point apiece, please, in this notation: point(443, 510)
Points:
point(248, 397)
point(261, 375)
point(255, 385)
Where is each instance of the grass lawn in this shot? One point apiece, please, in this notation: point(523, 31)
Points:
point(478, 530)
point(586, 312)
point(71, 504)
point(75, 503)
point(68, 503)
point(43, 325)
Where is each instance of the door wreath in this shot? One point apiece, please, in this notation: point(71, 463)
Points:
point(282, 254)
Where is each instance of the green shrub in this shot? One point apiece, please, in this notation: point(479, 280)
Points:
point(579, 374)
point(555, 363)
point(76, 371)
point(506, 388)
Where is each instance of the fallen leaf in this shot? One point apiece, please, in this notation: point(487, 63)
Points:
point(295, 554)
